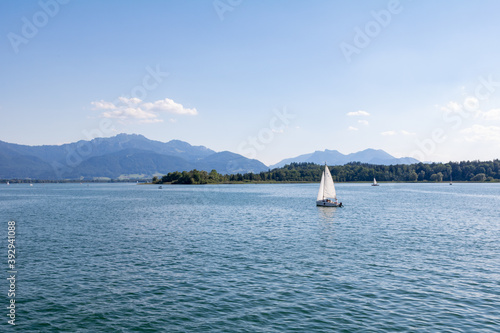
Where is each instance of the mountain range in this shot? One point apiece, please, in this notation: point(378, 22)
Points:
point(334, 157)
point(130, 156)
point(122, 156)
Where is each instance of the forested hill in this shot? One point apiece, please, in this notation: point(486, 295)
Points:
point(351, 172)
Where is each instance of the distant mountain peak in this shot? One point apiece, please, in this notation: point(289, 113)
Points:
point(128, 136)
point(178, 141)
point(334, 157)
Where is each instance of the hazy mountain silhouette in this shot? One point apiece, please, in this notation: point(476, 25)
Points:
point(334, 157)
point(124, 155)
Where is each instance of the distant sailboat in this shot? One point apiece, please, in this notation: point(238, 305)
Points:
point(31, 184)
point(451, 180)
point(327, 196)
point(374, 182)
point(8, 183)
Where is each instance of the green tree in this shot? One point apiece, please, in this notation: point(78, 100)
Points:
point(480, 177)
point(437, 177)
point(213, 176)
point(413, 177)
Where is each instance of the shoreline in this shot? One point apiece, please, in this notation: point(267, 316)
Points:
point(43, 181)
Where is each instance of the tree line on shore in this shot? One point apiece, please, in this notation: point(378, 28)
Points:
point(475, 171)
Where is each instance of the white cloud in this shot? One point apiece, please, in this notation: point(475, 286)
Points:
point(169, 106)
point(134, 109)
point(130, 101)
point(452, 107)
point(493, 114)
point(478, 133)
point(127, 113)
point(151, 121)
point(392, 133)
point(363, 122)
point(358, 113)
point(103, 105)
point(351, 128)
point(470, 105)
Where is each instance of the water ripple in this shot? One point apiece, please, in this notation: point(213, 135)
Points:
point(121, 258)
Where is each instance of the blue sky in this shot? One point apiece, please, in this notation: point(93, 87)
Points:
point(267, 79)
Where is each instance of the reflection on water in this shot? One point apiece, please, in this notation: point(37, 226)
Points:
point(327, 214)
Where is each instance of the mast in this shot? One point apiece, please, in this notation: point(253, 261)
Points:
point(323, 179)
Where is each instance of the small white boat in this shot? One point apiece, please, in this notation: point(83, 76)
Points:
point(374, 182)
point(160, 187)
point(327, 196)
point(8, 183)
point(31, 184)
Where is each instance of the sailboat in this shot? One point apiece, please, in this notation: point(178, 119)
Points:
point(374, 182)
point(327, 197)
point(451, 180)
point(8, 183)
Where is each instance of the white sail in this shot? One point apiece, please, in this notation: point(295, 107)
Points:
point(326, 186)
point(329, 187)
point(374, 181)
point(321, 187)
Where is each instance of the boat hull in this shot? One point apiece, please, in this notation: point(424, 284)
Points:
point(322, 203)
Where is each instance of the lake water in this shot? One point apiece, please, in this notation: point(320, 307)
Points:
point(253, 258)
